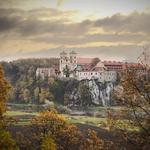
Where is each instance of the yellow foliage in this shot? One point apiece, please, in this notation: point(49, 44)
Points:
point(55, 129)
point(92, 142)
point(48, 143)
point(6, 142)
point(4, 88)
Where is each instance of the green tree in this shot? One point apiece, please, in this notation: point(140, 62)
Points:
point(85, 97)
point(26, 96)
point(36, 93)
point(66, 71)
point(58, 90)
point(66, 99)
point(44, 95)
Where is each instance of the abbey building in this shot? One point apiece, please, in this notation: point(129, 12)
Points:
point(70, 65)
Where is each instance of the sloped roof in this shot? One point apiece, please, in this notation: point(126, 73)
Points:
point(99, 65)
point(112, 63)
point(84, 60)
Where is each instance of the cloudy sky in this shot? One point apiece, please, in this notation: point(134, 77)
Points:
point(108, 29)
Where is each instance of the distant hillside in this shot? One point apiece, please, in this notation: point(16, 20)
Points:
point(15, 70)
point(26, 88)
point(29, 89)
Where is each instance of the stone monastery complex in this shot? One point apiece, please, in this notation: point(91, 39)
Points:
point(82, 68)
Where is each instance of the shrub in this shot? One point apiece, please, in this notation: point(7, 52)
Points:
point(52, 128)
point(63, 109)
point(47, 143)
point(6, 142)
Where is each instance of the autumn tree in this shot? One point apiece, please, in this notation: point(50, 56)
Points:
point(47, 143)
point(53, 130)
point(85, 97)
point(4, 88)
point(6, 142)
point(135, 98)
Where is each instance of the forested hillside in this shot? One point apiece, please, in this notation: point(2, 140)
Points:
point(26, 88)
point(29, 89)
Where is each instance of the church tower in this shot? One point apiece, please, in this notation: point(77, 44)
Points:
point(73, 60)
point(68, 61)
point(64, 60)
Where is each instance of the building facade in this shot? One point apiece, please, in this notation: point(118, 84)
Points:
point(69, 61)
point(82, 68)
point(46, 72)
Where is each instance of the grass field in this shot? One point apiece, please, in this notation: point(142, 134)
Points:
point(18, 113)
point(24, 118)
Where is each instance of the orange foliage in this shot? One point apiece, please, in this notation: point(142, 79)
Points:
point(66, 136)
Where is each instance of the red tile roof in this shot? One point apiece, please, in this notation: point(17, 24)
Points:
point(112, 63)
point(84, 60)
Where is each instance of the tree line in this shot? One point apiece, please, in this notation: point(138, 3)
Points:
point(27, 88)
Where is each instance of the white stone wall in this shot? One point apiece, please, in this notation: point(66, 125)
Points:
point(45, 72)
point(100, 75)
point(110, 76)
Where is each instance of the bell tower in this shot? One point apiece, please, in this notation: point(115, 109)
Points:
point(73, 60)
point(64, 60)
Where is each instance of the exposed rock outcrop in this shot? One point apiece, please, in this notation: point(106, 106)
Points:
point(98, 93)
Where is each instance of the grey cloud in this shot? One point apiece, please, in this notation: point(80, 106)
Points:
point(33, 27)
point(73, 40)
point(9, 12)
point(7, 24)
point(10, 3)
point(30, 22)
point(60, 2)
point(49, 12)
point(119, 52)
point(27, 24)
point(134, 22)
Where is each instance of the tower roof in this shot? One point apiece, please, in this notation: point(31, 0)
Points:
point(73, 52)
point(63, 53)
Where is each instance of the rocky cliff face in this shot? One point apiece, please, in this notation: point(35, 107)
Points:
point(98, 93)
point(101, 92)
